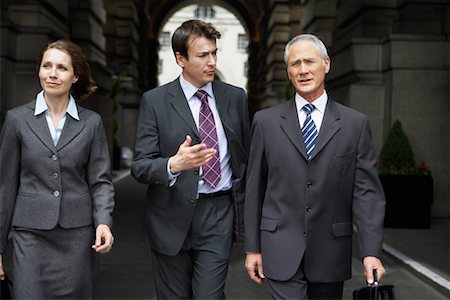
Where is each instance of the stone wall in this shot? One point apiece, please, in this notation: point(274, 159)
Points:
point(390, 60)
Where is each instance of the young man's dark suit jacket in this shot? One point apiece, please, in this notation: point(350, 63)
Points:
point(164, 121)
point(295, 208)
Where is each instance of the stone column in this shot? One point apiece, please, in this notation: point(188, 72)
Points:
point(278, 32)
point(86, 21)
point(124, 41)
point(389, 60)
point(26, 27)
point(319, 18)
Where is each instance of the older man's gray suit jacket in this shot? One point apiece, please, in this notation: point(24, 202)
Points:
point(43, 185)
point(164, 121)
point(298, 209)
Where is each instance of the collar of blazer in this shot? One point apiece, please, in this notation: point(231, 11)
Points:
point(38, 125)
point(181, 105)
point(330, 126)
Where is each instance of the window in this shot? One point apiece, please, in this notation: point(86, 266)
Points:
point(242, 41)
point(164, 38)
point(205, 11)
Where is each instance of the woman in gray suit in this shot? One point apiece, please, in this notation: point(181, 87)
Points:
point(56, 194)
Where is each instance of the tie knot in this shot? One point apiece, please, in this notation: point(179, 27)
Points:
point(308, 108)
point(202, 95)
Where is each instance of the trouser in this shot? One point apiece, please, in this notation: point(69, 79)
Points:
point(299, 288)
point(199, 270)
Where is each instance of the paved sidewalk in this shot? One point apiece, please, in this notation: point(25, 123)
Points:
point(125, 273)
point(426, 252)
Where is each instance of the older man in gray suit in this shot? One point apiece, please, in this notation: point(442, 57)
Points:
point(193, 184)
point(311, 175)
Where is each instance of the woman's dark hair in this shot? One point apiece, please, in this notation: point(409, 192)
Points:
point(192, 28)
point(85, 85)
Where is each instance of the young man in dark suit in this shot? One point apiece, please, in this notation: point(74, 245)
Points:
point(311, 175)
point(191, 149)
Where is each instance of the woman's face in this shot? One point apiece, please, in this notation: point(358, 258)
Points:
point(56, 73)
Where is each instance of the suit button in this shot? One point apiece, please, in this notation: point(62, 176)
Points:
point(308, 209)
point(196, 172)
point(55, 175)
point(54, 157)
point(309, 184)
point(56, 193)
point(193, 200)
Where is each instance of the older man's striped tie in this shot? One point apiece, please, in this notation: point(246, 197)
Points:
point(309, 130)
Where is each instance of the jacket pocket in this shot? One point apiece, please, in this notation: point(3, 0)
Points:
point(268, 224)
point(36, 211)
point(342, 229)
point(343, 158)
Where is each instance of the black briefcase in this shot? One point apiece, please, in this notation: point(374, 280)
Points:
point(5, 288)
point(375, 291)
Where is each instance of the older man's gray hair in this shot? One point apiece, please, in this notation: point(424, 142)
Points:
point(306, 37)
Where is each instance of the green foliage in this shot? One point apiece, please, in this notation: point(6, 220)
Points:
point(396, 157)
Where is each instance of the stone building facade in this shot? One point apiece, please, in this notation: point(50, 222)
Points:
point(390, 60)
point(232, 46)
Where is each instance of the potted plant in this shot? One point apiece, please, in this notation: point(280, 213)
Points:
point(408, 186)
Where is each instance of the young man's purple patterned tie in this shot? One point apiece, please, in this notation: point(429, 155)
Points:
point(208, 135)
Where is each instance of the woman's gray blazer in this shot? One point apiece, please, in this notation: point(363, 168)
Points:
point(43, 185)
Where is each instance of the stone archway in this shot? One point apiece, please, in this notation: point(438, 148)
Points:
point(232, 56)
point(159, 11)
point(377, 51)
point(269, 26)
point(132, 30)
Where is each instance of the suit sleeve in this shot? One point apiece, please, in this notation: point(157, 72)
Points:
point(368, 197)
point(9, 174)
point(255, 188)
point(246, 124)
point(239, 184)
point(99, 177)
point(148, 167)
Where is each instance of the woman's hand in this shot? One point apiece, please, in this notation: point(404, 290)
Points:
point(2, 271)
point(103, 239)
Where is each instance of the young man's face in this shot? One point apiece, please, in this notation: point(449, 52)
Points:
point(200, 65)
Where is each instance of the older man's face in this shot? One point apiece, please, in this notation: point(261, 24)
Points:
point(306, 69)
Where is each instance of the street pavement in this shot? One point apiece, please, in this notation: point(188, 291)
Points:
point(125, 272)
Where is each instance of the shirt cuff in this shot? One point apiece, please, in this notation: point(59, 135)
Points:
point(171, 177)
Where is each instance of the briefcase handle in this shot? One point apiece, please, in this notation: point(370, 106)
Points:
point(375, 278)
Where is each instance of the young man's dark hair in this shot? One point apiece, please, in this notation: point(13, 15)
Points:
point(191, 29)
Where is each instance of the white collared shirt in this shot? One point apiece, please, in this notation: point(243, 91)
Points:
point(317, 114)
point(194, 103)
point(41, 107)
